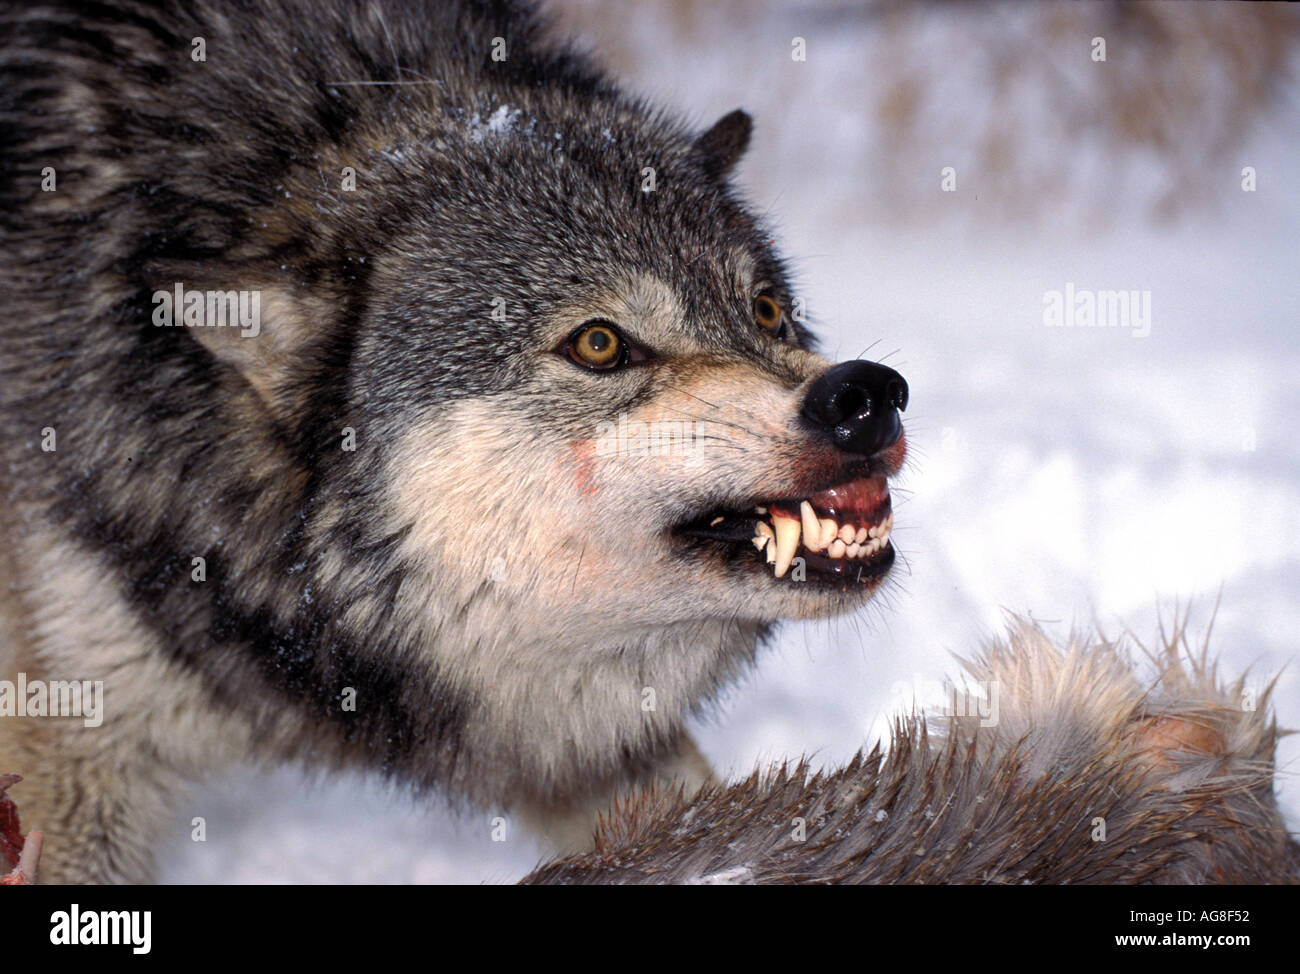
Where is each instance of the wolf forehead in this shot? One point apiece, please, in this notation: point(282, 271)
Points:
point(534, 213)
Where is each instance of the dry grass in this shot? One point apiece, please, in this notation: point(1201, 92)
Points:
point(1006, 92)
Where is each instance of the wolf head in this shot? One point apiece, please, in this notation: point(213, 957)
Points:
point(588, 354)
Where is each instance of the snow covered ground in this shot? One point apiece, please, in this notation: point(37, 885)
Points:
point(1083, 475)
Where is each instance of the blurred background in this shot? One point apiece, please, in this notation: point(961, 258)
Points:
point(935, 173)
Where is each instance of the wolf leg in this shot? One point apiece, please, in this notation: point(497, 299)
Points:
point(99, 785)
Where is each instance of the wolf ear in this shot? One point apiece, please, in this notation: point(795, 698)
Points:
point(721, 147)
point(277, 331)
point(269, 355)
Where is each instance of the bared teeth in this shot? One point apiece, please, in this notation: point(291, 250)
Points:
point(787, 541)
point(780, 540)
point(812, 531)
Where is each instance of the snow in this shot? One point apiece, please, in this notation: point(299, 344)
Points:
point(1081, 475)
point(736, 876)
point(502, 121)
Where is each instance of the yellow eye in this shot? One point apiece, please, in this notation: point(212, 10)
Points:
point(597, 346)
point(768, 313)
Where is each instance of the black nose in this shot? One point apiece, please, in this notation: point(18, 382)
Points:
point(855, 405)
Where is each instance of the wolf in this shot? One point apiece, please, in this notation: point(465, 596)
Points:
point(384, 387)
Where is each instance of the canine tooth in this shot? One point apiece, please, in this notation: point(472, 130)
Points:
point(862, 536)
point(812, 531)
point(716, 520)
point(829, 530)
point(771, 550)
point(852, 550)
point(847, 533)
point(787, 541)
point(837, 549)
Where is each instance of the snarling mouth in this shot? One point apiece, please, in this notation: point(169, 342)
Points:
point(841, 534)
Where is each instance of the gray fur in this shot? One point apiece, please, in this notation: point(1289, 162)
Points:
point(1181, 772)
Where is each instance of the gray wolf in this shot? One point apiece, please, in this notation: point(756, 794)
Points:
point(384, 387)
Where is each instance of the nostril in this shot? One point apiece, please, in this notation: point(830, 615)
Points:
point(849, 401)
point(896, 395)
